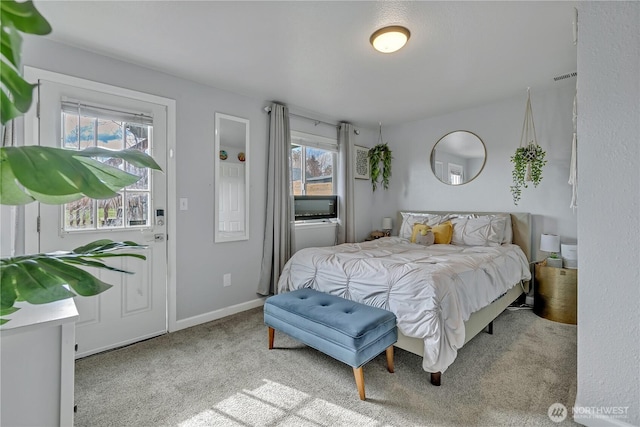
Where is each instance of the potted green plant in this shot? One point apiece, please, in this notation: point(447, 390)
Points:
point(528, 159)
point(380, 155)
point(53, 176)
point(527, 167)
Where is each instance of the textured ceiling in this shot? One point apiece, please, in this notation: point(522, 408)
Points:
point(316, 56)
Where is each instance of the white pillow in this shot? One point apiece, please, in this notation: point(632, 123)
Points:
point(482, 231)
point(508, 230)
point(410, 218)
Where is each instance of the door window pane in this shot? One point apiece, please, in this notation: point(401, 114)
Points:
point(137, 208)
point(131, 208)
point(78, 215)
point(110, 212)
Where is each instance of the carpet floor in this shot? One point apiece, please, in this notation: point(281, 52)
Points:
point(222, 374)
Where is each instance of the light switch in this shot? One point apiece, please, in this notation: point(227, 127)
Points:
point(184, 204)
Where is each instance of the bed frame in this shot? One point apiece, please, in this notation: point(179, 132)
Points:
point(483, 318)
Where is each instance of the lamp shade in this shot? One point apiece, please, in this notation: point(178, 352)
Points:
point(387, 224)
point(550, 243)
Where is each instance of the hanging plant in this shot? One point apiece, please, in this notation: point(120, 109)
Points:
point(527, 167)
point(528, 159)
point(381, 153)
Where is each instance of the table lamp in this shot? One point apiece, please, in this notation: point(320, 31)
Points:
point(387, 225)
point(551, 243)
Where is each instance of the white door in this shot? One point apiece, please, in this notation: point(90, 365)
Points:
point(135, 308)
point(232, 197)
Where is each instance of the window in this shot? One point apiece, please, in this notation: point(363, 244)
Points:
point(456, 174)
point(313, 164)
point(87, 126)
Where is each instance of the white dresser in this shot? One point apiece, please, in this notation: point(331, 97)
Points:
point(37, 356)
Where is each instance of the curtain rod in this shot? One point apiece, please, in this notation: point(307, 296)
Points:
point(316, 122)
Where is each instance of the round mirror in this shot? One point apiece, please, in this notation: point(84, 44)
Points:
point(458, 157)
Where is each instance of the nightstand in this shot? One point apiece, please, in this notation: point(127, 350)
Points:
point(556, 293)
point(374, 235)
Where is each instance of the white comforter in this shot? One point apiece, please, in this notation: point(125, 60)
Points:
point(432, 290)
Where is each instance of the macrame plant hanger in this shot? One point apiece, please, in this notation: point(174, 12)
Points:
point(528, 136)
point(529, 157)
point(573, 168)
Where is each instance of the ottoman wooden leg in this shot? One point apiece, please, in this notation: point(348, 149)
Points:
point(359, 374)
point(390, 359)
point(271, 335)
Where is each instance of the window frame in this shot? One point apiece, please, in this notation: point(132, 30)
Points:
point(308, 140)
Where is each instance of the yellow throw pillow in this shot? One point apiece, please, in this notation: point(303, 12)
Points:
point(443, 232)
point(422, 235)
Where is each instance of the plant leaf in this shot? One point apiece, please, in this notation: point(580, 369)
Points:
point(24, 16)
point(80, 281)
point(8, 293)
point(92, 263)
point(112, 178)
point(8, 111)
point(11, 44)
point(7, 311)
point(135, 157)
point(20, 90)
point(103, 245)
point(57, 172)
point(56, 176)
point(39, 278)
point(10, 192)
point(34, 285)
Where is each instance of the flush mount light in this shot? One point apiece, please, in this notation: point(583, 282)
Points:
point(389, 39)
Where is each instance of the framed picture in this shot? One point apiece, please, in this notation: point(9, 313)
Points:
point(360, 162)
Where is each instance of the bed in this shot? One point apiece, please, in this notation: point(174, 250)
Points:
point(441, 294)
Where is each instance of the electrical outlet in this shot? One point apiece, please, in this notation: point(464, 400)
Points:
point(226, 279)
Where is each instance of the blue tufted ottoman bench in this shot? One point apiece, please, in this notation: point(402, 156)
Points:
point(348, 331)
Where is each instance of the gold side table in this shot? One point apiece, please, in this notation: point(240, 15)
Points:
point(556, 293)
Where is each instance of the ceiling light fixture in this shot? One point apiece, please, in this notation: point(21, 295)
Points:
point(389, 39)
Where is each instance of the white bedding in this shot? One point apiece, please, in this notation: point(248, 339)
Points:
point(432, 290)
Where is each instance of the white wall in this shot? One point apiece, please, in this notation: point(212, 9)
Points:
point(499, 125)
point(609, 209)
point(200, 262)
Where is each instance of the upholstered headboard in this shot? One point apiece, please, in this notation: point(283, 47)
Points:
point(520, 224)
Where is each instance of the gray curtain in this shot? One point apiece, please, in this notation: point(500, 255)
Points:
point(279, 223)
point(346, 196)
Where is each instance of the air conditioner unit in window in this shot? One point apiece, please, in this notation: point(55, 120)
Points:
point(315, 207)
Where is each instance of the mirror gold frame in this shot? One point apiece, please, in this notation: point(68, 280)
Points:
point(458, 157)
point(231, 182)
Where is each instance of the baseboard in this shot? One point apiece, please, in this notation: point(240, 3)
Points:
point(600, 420)
point(218, 314)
